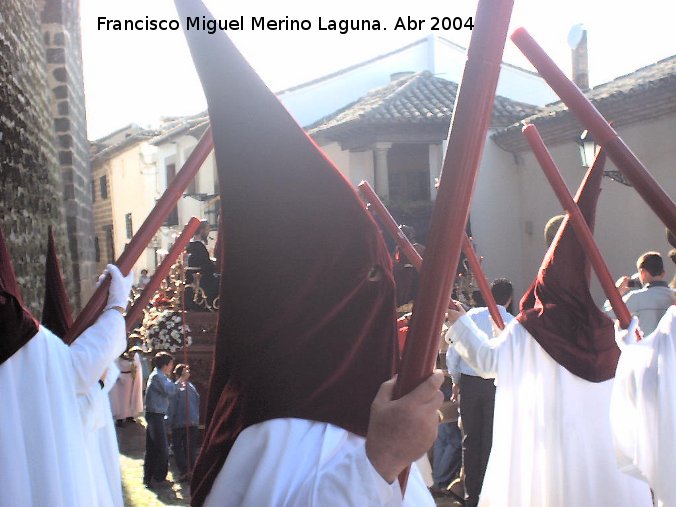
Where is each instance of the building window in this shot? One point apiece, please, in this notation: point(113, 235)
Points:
point(172, 219)
point(128, 225)
point(110, 245)
point(97, 249)
point(93, 191)
point(409, 172)
point(103, 183)
point(192, 188)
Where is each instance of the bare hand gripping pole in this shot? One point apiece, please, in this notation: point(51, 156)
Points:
point(143, 236)
point(416, 260)
point(582, 231)
point(135, 312)
point(603, 133)
point(471, 117)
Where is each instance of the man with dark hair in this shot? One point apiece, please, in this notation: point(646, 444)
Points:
point(158, 393)
point(650, 302)
point(477, 399)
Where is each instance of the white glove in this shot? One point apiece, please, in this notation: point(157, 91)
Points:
point(624, 337)
point(120, 287)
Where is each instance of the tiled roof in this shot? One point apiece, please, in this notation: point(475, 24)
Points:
point(646, 94)
point(182, 125)
point(126, 137)
point(410, 101)
point(107, 146)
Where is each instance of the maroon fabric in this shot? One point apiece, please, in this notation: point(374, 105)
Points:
point(307, 321)
point(17, 324)
point(558, 310)
point(56, 311)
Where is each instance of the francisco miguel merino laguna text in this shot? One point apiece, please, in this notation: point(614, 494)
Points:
point(257, 23)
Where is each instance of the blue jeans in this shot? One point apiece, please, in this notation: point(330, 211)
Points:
point(446, 454)
point(185, 441)
point(156, 459)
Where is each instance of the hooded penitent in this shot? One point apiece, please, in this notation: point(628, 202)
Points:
point(307, 312)
point(558, 309)
point(56, 312)
point(17, 324)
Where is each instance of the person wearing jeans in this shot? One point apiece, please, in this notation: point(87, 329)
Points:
point(184, 418)
point(159, 392)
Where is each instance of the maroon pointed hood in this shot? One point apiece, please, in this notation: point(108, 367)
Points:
point(17, 324)
point(307, 323)
point(56, 312)
point(558, 309)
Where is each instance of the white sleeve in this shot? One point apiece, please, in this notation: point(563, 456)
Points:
point(474, 346)
point(300, 463)
point(96, 348)
point(346, 480)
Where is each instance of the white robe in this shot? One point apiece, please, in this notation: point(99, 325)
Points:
point(101, 440)
point(552, 442)
point(43, 453)
point(643, 409)
point(301, 463)
point(126, 396)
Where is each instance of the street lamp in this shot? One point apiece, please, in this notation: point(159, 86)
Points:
point(588, 151)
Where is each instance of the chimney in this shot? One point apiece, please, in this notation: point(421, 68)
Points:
point(399, 75)
point(580, 58)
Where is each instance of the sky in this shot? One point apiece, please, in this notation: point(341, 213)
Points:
point(141, 76)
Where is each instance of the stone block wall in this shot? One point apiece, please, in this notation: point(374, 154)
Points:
point(63, 49)
point(30, 180)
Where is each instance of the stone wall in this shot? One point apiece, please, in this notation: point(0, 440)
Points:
point(30, 180)
point(63, 46)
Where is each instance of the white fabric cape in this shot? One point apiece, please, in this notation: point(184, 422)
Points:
point(552, 442)
point(43, 453)
point(643, 409)
point(301, 463)
point(101, 440)
point(126, 396)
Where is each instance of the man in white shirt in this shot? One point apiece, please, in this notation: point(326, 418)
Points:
point(554, 366)
point(477, 395)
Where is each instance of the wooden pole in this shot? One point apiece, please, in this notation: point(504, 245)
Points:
point(482, 281)
point(143, 236)
point(136, 311)
point(579, 224)
point(416, 260)
point(469, 125)
point(601, 130)
point(390, 224)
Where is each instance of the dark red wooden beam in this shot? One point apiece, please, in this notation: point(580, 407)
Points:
point(136, 311)
point(582, 231)
point(142, 238)
point(467, 137)
point(602, 132)
point(416, 260)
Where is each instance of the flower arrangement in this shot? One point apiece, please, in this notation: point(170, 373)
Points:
point(162, 328)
